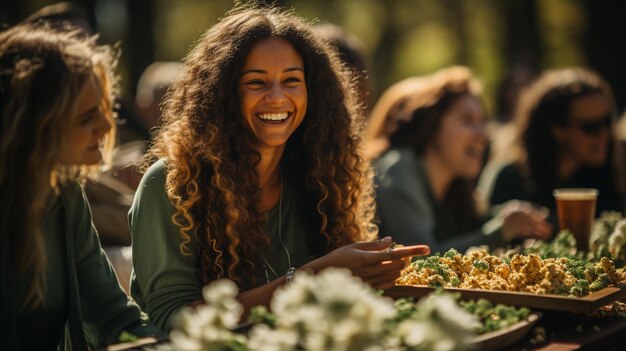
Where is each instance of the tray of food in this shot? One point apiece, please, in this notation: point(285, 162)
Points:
point(523, 280)
point(498, 339)
point(498, 325)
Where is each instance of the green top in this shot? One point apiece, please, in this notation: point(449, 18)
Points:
point(50, 317)
point(165, 280)
point(84, 303)
point(409, 212)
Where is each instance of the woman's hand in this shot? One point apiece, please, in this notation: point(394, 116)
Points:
point(521, 219)
point(373, 261)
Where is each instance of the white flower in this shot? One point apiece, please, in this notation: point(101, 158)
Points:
point(617, 239)
point(331, 311)
point(446, 308)
point(413, 332)
point(185, 342)
point(266, 339)
point(440, 325)
point(207, 327)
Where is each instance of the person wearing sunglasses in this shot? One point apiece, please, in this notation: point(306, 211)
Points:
point(565, 139)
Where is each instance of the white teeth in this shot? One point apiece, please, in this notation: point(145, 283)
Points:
point(274, 116)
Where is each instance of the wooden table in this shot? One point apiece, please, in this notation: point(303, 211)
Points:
point(562, 335)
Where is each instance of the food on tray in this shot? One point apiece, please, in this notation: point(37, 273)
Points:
point(608, 237)
point(492, 317)
point(524, 273)
point(563, 245)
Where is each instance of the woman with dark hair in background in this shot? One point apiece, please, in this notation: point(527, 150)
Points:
point(259, 171)
point(55, 129)
point(565, 140)
point(430, 139)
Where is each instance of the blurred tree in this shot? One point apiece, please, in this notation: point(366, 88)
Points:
point(604, 43)
point(140, 39)
point(402, 37)
point(384, 54)
point(522, 39)
point(459, 23)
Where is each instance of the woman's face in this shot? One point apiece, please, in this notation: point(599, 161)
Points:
point(88, 126)
point(586, 136)
point(273, 94)
point(461, 140)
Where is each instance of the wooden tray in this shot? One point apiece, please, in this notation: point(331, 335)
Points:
point(586, 304)
point(141, 344)
point(504, 337)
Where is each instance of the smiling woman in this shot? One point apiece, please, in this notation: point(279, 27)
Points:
point(430, 133)
point(87, 127)
point(258, 171)
point(56, 124)
point(272, 91)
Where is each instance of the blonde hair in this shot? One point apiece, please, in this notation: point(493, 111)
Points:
point(41, 73)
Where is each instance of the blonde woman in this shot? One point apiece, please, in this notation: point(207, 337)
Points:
point(55, 128)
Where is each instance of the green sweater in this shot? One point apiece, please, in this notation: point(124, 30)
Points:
point(82, 290)
point(409, 213)
point(164, 280)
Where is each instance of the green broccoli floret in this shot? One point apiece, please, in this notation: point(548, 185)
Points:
point(580, 288)
point(451, 253)
point(494, 317)
point(577, 268)
point(481, 265)
point(454, 281)
point(601, 282)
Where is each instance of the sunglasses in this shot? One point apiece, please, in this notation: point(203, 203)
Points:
point(594, 127)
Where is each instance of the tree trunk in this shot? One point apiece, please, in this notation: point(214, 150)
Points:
point(604, 44)
point(140, 39)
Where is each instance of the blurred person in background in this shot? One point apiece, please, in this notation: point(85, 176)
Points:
point(565, 139)
point(63, 16)
point(430, 138)
point(500, 129)
point(152, 86)
point(518, 77)
point(151, 89)
point(56, 93)
point(256, 171)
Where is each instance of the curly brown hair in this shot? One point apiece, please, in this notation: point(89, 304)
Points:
point(211, 178)
point(547, 104)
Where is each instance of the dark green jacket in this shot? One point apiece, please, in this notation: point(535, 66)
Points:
point(409, 213)
point(99, 310)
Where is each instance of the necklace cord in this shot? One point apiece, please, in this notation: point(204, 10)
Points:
point(290, 270)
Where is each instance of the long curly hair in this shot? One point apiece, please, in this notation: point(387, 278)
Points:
point(41, 73)
point(210, 173)
point(543, 106)
point(409, 115)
